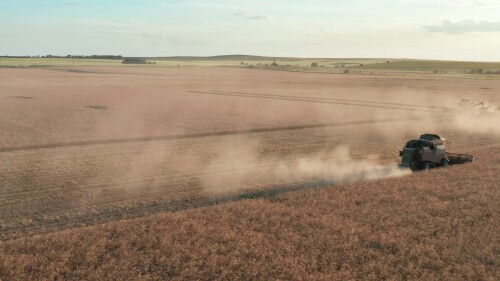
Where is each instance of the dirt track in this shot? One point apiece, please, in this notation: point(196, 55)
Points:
point(369, 104)
point(204, 135)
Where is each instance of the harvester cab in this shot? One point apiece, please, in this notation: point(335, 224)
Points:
point(426, 152)
point(429, 151)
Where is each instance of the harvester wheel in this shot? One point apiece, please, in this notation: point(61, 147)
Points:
point(445, 162)
point(414, 166)
point(426, 166)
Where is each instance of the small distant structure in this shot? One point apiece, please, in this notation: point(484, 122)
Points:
point(479, 108)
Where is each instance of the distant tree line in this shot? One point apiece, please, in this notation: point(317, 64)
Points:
point(102, 57)
point(134, 61)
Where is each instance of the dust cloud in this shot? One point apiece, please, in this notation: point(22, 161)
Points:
point(240, 168)
point(477, 124)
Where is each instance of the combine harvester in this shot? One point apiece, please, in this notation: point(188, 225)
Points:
point(429, 151)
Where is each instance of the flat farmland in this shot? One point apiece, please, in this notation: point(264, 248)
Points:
point(88, 145)
point(436, 225)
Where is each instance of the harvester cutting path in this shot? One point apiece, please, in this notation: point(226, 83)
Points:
point(430, 151)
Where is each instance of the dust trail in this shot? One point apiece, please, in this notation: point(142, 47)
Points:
point(240, 168)
point(477, 124)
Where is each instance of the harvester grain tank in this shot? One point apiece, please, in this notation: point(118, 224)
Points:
point(430, 151)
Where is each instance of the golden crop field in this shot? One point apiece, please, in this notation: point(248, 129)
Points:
point(442, 225)
point(87, 146)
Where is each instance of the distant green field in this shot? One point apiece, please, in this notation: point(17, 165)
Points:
point(245, 61)
point(242, 61)
point(434, 65)
point(40, 62)
point(323, 65)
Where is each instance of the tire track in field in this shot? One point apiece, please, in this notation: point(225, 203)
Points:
point(351, 103)
point(79, 71)
point(117, 211)
point(341, 100)
point(206, 134)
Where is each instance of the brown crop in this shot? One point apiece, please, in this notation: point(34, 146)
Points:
point(440, 225)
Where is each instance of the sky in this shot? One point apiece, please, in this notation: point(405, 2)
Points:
point(420, 29)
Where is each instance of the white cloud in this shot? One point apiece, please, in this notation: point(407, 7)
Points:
point(252, 16)
point(108, 23)
point(170, 39)
point(465, 26)
point(470, 4)
point(325, 31)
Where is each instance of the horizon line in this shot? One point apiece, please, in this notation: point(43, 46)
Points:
point(237, 55)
